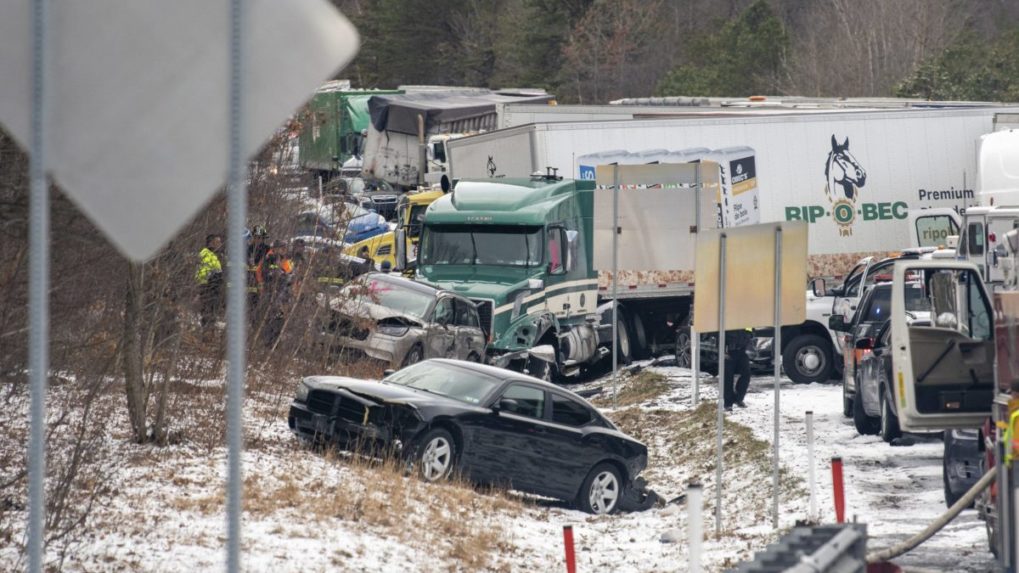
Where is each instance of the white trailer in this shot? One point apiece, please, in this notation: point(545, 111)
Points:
point(854, 175)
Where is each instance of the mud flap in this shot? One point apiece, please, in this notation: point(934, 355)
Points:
point(637, 497)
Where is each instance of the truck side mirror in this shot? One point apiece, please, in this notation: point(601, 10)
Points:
point(837, 322)
point(401, 249)
point(865, 344)
point(819, 287)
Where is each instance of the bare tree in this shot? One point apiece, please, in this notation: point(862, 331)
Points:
point(864, 47)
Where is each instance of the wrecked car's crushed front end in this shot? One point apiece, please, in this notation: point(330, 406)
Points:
point(327, 413)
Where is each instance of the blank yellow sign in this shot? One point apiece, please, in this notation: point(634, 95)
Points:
point(750, 276)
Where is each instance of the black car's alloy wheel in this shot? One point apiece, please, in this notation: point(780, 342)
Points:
point(437, 455)
point(601, 490)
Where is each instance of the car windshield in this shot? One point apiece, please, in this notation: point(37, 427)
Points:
point(881, 302)
point(391, 294)
point(461, 384)
point(495, 245)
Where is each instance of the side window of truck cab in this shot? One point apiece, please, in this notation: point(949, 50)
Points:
point(557, 250)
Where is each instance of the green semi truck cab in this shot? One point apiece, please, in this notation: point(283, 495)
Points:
point(520, 248)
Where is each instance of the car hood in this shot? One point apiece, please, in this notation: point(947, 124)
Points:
point(361, 308)
point(499, 284)
point(375, 391)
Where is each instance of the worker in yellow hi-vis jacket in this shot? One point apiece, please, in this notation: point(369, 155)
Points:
point(209, 277)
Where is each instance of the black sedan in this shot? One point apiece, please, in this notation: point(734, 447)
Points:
point(492, 425)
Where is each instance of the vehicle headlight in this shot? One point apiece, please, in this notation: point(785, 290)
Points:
point(302, 392)
point(393, 329)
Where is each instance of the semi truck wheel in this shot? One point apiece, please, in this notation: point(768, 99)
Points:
point(639, 339)
point(808, 358)
point(624, 344)
point(684, 351)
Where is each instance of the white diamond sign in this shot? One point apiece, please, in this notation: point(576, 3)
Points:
point(138, 98)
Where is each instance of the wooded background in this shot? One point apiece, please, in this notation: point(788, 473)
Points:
point(595, 51)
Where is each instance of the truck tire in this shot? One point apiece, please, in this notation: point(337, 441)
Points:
point(808, 358)
point(639, 338)
point(847, 403)
point(624, 346)
point(865, 425)
point(950, 496)
point(683, 350)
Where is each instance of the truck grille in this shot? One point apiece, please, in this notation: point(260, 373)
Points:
point(485, 311)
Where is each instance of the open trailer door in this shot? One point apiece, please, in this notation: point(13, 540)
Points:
point(943, 368)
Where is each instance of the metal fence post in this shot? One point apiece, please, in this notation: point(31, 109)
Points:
point(236, 282)
point(615, 285)
point(38, 290)
point(776, 359)
point(721, 381)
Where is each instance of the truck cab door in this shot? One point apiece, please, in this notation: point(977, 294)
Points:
point(973, 243)
point(846, 302)
point(932, 227)
point(943, 374)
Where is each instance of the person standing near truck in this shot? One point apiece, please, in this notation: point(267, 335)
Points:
point(209, 277)
point(737, 363)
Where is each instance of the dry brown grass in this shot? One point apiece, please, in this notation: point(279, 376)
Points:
point(452, 519)
point(636, 389)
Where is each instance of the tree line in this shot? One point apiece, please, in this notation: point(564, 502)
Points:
point(595, 51)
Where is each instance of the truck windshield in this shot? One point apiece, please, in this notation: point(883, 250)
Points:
point(495, 245)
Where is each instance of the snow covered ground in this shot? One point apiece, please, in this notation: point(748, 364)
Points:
point(310, 511)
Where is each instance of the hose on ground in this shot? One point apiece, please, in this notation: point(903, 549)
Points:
point(956, 509)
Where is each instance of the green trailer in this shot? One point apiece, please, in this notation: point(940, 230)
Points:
point(333, 126)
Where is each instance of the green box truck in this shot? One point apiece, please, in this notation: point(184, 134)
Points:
point(333, 128)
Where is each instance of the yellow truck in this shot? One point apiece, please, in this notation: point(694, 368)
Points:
point(410, 212)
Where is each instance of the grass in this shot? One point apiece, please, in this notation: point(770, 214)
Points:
point(636, 388)
point(452, 519)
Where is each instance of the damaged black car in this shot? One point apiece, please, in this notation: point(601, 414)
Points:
point(492, 426)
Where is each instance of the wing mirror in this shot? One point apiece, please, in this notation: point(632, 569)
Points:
point(507, 404)
point(865, 344)
point(819, 287)
point(837, 322)
point(388, 372)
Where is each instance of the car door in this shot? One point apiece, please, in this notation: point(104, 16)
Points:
point(943, 373)
point(505, 452)
point(440, 337)
point(870, 371)
point(468, 337)
point(571, 450)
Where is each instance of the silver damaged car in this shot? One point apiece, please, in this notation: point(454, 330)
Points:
point(400, 322)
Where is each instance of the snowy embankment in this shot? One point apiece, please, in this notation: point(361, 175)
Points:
point(161, 508)
point(315, 511)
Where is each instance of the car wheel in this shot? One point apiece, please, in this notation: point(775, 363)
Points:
point(601, 490)
point(414, 355)
point(808, 359)
point(847, 402)
point(865, 425)
point(889, 421)
point(437, 455)
point(684, 352)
